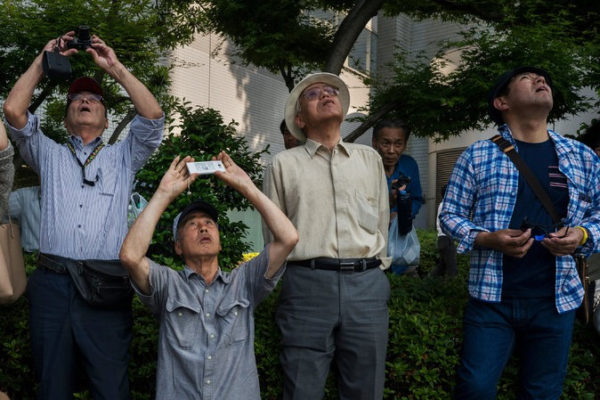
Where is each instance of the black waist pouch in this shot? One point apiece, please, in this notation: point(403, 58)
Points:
point(102, 283)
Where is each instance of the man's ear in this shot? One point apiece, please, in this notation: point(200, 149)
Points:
point(299, 121)
point(177, 247)
point(500, 103)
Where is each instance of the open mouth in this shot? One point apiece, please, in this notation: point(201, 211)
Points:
point(85, 109)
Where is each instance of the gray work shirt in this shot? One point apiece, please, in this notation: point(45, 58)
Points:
point(206, 340)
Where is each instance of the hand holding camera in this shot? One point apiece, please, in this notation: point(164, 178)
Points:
point(55, 62)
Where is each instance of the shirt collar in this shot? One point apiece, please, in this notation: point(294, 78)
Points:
point(224, 277)
point(312, 146)
point(78, 143)
point(561, 145)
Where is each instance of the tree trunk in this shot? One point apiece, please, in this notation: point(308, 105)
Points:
point(370, 121)
point(127, 119)
point(288, 76)
point(348, 32)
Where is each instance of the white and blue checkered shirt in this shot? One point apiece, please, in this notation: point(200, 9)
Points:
point(481, 196)
point(81, 221)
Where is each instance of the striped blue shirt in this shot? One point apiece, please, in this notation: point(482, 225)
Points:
point(81, 221)
point(481, 196)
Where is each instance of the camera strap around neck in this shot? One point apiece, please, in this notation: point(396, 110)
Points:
point(87, 162)
point(535, 185)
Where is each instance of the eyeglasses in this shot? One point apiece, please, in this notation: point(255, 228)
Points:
point(541, 232)
point(89, 97)
point(315, 92)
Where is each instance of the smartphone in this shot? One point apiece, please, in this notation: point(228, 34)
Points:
point(205, 167)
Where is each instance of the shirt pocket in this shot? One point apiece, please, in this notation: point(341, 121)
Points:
point(183, 321)
point(233, 319)
point(107, 175)
point(368, 217)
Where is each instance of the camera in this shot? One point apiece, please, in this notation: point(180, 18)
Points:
point(401, 181)
point(83, 39)
point(57, 66)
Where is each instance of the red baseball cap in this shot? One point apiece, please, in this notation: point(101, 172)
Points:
point(85, 84)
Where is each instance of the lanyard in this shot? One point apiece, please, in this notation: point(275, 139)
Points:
point(90, 158)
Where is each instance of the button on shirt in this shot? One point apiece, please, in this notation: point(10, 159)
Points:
point(338, 200)
point(206, 340)
point(81, 221)
point(484, 184)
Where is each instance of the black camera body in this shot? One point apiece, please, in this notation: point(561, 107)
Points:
point(401, 181)
point(83, 39)
point(55, 65)
point(403, 206)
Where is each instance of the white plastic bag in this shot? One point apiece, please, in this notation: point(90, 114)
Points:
point(137, 203)
point(403, 249)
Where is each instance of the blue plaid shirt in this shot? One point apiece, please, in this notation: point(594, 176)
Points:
point(481, 196)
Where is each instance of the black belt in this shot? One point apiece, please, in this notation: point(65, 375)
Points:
point(53, 263)
point(338, 264)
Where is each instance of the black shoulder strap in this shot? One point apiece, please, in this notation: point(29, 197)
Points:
point(508, 149)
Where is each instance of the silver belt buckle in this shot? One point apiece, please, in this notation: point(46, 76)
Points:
point(347, 266)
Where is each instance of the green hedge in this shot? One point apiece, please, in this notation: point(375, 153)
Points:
point(423, 350)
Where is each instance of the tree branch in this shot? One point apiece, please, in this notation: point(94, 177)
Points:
point(348, 32)
point(127, 119)
point(370, 121)
point(288, 77)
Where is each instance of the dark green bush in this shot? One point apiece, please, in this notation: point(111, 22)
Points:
point(202, 134)
point(423, 350)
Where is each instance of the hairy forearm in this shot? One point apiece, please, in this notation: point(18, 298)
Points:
point(283, 231)
point(280, 226)
point(140, 234)
point(143, 100)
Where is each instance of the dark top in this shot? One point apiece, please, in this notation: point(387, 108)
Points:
point(534, 274)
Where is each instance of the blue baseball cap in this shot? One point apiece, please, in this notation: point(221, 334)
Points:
point(196, 206)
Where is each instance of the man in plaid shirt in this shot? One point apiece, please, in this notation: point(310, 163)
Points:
point(523, 283)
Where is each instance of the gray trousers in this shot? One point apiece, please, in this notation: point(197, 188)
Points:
point(327, 315)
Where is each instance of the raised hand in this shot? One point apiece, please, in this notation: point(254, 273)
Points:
point(104, 56)
point(61, 43)
point(177, 178)
point(233, 176)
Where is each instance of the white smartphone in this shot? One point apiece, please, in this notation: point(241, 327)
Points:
point(205, 167)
